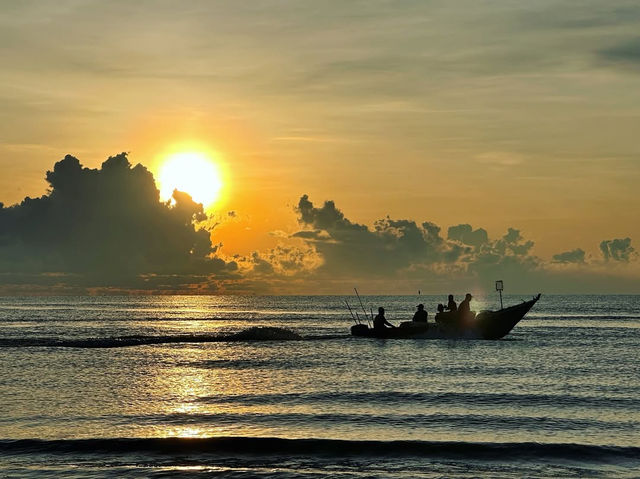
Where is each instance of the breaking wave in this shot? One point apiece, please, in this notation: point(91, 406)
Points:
point(244, 446)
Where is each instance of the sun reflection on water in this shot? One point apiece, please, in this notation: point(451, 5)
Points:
point(187, 431)
point(183, 385)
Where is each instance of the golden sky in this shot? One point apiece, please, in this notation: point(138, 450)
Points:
point(496, 114)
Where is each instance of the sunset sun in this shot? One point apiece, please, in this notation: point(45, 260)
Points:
point(192, 172)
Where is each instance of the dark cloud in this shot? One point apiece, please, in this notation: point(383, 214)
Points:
point(283, 261)
point(513, 243)
point(625, 53)
point(313, 235)
point(507, 258)
point(402, 255)
point(260, 265)
point(106, 230)
point(107, 226)
point(289, 260)
point(327, 218)
point(349, 248)
point(617, 250)
point(593, 14)
point(482, 256)
point(465, 234)
point(574, 256)
point(404, 248)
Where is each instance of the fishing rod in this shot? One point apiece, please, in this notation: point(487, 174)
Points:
point(362, 305)
point(352, 316)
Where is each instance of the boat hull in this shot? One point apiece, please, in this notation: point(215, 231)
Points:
point(484, 325)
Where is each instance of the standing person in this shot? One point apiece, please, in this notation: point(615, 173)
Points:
point(451, 305)
point(380, 323)
point(421, 315)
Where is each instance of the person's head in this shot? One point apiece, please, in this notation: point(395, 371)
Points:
point(420, 307)
point(440, 308)
point(468, 296)
point(381, 310)
point(450, 297)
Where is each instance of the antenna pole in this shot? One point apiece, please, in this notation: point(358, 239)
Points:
point(499, 288)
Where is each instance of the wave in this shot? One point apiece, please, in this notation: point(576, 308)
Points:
point(546, 316)
point(244, 446)
point(398, 421)
point(258, 333)
point(432, 398)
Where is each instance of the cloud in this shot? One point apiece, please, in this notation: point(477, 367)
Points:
point(289, 260)
point(280, 262)
point(107, 227)
point(507, 258)
point(514, 243)
point(574, 256)
point(105, 230)
point(617, 250)
point(313, 235)
point(590, 15)
point(349, 248)
point(465, 234)
point(403, 255)
point(625, 53)
point(403, 249)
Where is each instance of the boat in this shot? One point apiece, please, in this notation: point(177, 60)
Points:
point(452, 325)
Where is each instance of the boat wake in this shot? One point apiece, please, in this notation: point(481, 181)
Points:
point(258, 333)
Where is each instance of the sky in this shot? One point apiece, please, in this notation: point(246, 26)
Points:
point(432, 145)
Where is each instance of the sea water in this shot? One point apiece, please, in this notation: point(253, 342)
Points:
point(166, 387)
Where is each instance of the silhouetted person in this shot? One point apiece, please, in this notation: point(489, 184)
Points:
point(465, 307)
point(421, 315)
point(451, 305)
point(380, 323)
point(440, 308)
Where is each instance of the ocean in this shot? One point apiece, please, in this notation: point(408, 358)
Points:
point(182, 386)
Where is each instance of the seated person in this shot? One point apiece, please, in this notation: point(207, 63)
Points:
point(465, 315)
point(420, 315)
point(451, 305)
point(465, 306)
point(380, 322)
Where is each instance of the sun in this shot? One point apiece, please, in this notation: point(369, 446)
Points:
point(192, 172)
